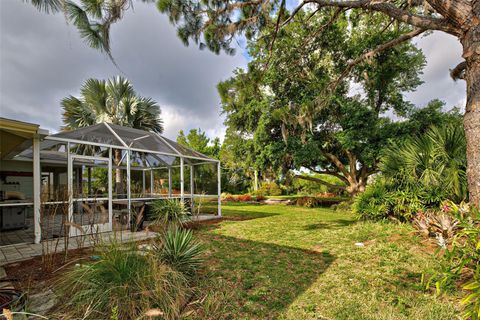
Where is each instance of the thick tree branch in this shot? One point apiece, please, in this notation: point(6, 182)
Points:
point(457, 11)
point(423, 22)
point(352, 160)
point(333, 159)
point(333, 186)
point(368, 55)
point(459, 71)
point(331, 173)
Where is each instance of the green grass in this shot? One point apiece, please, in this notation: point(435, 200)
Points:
point(286, 262)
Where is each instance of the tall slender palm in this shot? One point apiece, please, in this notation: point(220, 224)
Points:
point(112, 101)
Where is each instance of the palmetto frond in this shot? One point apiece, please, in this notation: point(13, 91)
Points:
point(113, 101)
point(434, 159)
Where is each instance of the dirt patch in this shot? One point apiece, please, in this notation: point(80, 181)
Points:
point(395, 238)
point(25, 275)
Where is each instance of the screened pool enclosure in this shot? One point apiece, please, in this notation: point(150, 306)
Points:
point(102, 176)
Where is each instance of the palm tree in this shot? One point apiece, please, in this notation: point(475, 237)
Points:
point(112, 101)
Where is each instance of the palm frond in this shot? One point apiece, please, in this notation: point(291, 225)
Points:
point(47, 6)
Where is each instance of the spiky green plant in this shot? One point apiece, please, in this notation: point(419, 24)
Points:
point(170, 212)
point(178, 248)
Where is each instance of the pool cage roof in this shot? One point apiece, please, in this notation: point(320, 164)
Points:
point(148, 149)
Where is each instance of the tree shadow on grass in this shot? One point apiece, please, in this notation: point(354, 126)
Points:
point(330, 224)
point(262, 279)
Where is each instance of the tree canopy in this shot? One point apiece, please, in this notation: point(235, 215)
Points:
point(276, 108)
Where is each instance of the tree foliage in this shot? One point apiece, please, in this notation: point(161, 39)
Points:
point(277, 109)
point(198, 140)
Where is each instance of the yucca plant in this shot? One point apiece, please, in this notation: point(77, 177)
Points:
point(123, 278)
point(170, 212)
point(178, 248)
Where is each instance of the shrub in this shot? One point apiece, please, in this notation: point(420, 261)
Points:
point(237, 198)
point(228, 197)
point(345, 206)
point(435, 160)
point(178, 249)
point(372, 204)
point(170, 211)
point(270, 189)
point(244, 198)
point(123, 279)
point(385, 199)
point(309, 202)
point(260, 198)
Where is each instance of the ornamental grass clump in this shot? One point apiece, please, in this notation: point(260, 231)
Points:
point(125, 280)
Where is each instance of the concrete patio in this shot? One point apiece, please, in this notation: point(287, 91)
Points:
point(24, 251)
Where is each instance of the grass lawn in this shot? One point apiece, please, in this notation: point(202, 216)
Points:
point(288, 262)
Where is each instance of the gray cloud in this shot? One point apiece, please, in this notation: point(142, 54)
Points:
point(443, 52)
point(42, 60)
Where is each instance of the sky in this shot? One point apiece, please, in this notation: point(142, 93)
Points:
point(43, 59)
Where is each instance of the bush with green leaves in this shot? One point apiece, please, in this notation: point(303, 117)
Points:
point(170, 212)
point(384, 199)
point(417, 175)
point(436, 161)
point(178, 248)
point(269, 189)
point(123, 279)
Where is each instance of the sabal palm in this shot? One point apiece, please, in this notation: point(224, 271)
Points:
point(435, 159)
point(112, 101)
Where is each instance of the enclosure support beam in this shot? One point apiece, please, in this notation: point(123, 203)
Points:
point(182, 184)
point(152, 185)
point(143, 183)
point(110, 206)
point(169, 182)
point(192, 189)
point(129, 196)
point(89, 181)
point(36, 189)
point(219, 189)
point(69, 186)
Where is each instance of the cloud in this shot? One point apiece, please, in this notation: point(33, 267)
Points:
point(443, 52)
point(44, 60)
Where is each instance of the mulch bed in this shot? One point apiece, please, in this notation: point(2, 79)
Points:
point(24, 275)
point(27, 274)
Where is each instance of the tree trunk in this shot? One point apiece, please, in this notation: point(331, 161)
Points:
point(471, 120)
point(355, 188)
point(118, 173)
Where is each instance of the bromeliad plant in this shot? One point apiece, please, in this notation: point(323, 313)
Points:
point(440, 225)
point(461, 263)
